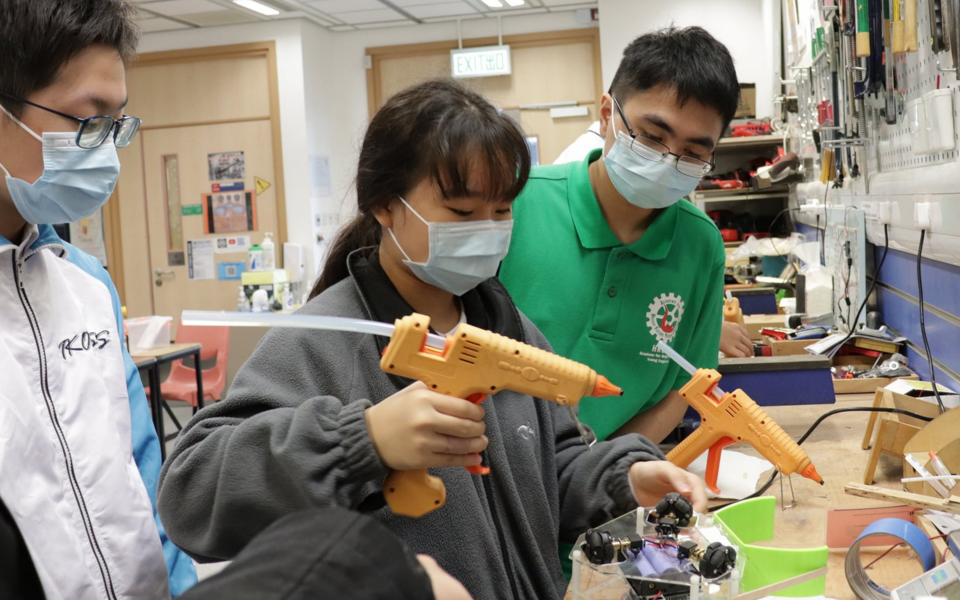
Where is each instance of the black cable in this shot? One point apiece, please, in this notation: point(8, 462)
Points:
point(923, 325)
point(809, 431)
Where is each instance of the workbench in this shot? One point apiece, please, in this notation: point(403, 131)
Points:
point(835, 449)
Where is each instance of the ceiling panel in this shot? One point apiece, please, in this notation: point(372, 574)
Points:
point(447, 9)
point(158, 24)
point(369, 16)
point(173, 8)
point(355, 14)
point(338, 6)
point(411, 3)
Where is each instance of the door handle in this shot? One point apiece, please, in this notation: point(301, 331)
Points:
point(160, 273)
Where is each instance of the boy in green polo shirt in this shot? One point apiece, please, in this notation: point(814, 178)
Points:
point(606, 258)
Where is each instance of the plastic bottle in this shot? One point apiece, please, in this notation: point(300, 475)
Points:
point(255, 258)
point(242, 304)
point(269, 253)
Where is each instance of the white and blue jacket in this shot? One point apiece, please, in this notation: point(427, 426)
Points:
point(79, 455)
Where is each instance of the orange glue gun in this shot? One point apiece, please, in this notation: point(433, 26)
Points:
point(732, 312)
point(731, 418)
point(473, 364)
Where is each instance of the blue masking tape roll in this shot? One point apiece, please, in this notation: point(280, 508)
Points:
point(913, 536)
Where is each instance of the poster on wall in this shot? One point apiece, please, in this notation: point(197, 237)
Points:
point(229, 212)
point(226, 165)
point(200, 262)
point(232, 244)
point(87, 234)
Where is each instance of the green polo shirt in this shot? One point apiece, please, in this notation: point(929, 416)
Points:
point(606, 304)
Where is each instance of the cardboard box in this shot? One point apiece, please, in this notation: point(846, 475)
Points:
point(862, 386)
point(787, 347)
point(754, 324)
point(747, 108)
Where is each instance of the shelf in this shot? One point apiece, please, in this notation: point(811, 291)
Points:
point(773, 139)
point(740, 196)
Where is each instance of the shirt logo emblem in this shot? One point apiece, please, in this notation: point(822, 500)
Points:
point(663, 316)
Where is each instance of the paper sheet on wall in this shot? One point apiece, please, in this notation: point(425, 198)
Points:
point(232, 244)
point(320, 176)
point(738, 475)
point(200, 262)
point(87, 234)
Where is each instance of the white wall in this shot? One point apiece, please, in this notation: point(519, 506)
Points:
point(741, 25)
point(349, 77)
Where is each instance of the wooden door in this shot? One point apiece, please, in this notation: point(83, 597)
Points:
point(548, 67)
point(196, 105)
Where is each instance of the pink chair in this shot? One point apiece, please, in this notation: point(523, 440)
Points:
point(181, 385)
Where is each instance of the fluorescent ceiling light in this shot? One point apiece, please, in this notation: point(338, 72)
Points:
point(493, 3)
point(515, 2)
point(255, 6)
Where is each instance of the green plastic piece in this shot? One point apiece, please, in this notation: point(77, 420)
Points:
point(751, 521)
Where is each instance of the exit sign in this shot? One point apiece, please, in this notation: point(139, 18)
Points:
point(480, 62)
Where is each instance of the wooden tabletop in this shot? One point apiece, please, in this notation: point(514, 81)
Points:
point(835, 449)
point(165, 350)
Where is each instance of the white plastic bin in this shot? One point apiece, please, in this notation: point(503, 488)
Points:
point(938, 106)
point(917, 121)
point(147, 333)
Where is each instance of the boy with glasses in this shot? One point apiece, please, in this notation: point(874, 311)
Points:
point(606, 257)
point(79, 457)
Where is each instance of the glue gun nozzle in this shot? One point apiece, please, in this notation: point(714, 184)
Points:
point(811, 473)
point(603, 387)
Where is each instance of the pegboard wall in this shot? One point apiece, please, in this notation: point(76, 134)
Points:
point(924, 74)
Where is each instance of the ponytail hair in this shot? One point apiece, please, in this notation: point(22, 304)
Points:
point(438, 129)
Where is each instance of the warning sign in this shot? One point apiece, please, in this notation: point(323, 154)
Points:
point(262, 185)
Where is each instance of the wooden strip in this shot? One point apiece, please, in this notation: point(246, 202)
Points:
point(939, 542)
point(771, 589)
point(204, 123)
point(887, 495)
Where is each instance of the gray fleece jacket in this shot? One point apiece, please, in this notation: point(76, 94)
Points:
point(292, 435)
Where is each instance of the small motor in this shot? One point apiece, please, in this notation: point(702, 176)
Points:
point(715, 560)
point(602, 548)
point(673, 513)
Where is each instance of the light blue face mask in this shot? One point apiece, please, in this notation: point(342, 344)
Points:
point(646, 183)
point(462, 255)
point(75, 182)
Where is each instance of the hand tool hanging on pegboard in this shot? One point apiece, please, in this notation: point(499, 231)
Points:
point(891, 110)
point(936, 25)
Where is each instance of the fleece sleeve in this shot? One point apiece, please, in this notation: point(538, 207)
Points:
point(274, 446)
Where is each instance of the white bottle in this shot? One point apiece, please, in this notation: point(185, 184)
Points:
point(242, 304)
point(255, 258)
point(269, 253)
point(287, 297)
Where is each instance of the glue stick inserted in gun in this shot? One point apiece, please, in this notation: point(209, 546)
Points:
point(730, 418)
point(470, 363)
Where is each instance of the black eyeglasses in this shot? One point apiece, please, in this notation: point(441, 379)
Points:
point(94, 131)
point(656, 152)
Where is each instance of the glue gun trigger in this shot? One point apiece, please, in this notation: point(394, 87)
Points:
point(713, 462)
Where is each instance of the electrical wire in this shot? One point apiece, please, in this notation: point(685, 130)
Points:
point(923, 325)
point(873, 284)
point(809, 431)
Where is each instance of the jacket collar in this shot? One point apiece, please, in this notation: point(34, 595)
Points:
point(36, 239)
point(488, 306)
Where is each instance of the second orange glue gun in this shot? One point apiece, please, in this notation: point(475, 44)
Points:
point(732, 418)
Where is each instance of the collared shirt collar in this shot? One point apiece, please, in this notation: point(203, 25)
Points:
point(592, 227)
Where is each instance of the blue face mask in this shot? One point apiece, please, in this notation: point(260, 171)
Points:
point(75, 182)
point(646, 183)
point(462, 255)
